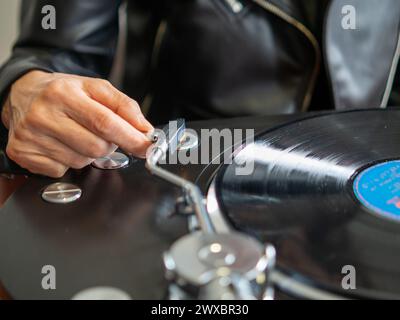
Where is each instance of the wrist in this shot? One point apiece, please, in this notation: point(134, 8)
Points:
point(5, 113)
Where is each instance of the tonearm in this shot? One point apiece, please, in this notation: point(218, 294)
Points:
point(205, 264)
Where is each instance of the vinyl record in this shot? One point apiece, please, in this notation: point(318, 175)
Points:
point(326, 192)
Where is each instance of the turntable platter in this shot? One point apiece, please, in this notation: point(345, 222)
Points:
point(326, 192)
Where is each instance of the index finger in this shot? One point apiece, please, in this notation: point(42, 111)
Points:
point(108, 125)
point(105, 93)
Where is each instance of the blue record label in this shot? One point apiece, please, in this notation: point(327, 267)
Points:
point(378, 189)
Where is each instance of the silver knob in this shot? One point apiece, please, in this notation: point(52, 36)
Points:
point(101, 293)
point(219, 266)
point(61, 192)
point(114, 161)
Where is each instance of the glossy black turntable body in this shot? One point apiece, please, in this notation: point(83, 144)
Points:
point(116, 233)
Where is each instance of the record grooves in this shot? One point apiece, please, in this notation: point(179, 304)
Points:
point(301, 198)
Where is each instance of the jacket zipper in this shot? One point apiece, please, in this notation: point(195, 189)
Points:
point(309, 35)
point(235, 5)
point(158, 40)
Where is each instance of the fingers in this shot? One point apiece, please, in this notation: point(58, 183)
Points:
point(78, 138)
point(42, 165)
point(61, 153)
point(120, 122)
point(45, 151)
point(106, 94)
point(59, 121)
point(37, 163)
point(109, 126)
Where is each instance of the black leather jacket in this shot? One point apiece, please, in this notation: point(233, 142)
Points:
point(221, 58)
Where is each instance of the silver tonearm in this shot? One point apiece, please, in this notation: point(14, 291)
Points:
point(205, 264)
point(164, 142)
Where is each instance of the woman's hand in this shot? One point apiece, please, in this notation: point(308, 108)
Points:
point(60, 121)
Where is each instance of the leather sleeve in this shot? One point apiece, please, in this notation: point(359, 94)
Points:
point(83, 42)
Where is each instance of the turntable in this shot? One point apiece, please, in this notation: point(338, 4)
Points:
point(318, 217)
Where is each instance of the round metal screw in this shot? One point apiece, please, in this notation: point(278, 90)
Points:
point(61, 192)
point(114, 161)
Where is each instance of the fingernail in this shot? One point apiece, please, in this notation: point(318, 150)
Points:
point(146, 122)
